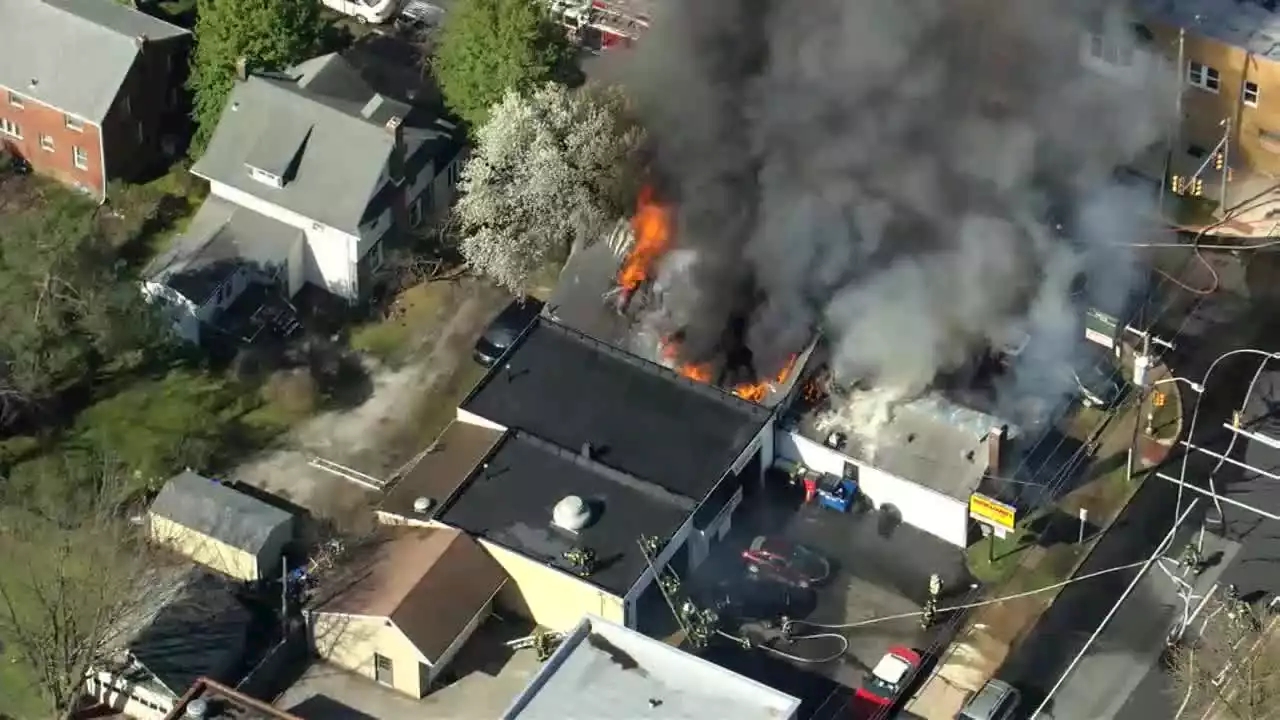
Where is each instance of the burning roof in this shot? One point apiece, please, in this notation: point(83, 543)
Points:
point(636, 293)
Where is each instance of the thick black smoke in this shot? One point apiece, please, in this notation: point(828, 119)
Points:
point(888, 171)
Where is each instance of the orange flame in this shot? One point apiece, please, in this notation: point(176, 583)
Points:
point(755, 391)
point(669, 349)
point(785, 372)
point(751, 391)
point(651, 226)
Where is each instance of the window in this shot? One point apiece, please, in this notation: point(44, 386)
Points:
point(382, 669)
point(10, 128)
point(46, 142)
point(265, 177)
point(16, 100)
point(80, 157)
point(1203, 77)
point(1250, 94)
point(73, 123)
point(1109, 51)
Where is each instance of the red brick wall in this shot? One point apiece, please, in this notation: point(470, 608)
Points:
point(151, 107)
point(35, 119)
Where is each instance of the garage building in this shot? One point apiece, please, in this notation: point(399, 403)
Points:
point(220, 527)
point(571, 444)
point(927, 461)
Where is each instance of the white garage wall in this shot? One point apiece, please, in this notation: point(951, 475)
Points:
point(937, 514)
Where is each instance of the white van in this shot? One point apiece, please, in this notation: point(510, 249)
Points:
point(365, 11)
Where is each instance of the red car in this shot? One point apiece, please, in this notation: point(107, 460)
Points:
point(773, 558)
point(886, 681)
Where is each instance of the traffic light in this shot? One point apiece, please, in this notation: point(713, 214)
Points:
point(1175, 184)
point(1228, 174)
point(1219, 160)
point(1197, 187)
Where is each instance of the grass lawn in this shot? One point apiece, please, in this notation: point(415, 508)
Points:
point(992, 560)
point(391, 339)
point(19, 696)
point(149, 216)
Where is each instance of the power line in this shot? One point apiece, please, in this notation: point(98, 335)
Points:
point(965, 606)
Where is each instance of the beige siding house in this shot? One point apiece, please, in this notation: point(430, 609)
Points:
point(220, 527)
point(404, 612)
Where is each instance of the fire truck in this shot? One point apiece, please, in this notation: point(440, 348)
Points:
point(598, 25)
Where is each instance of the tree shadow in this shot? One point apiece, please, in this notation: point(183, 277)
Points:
point(1107, 465)
point(1060, 528)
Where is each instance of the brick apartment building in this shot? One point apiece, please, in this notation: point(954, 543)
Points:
point(1229, 78)
point(90, 89)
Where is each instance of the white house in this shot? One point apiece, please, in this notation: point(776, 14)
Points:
point(309, 171)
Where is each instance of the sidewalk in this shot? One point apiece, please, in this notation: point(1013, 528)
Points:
point(990, 632)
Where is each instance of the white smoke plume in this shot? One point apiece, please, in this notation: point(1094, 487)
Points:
point(893, 173)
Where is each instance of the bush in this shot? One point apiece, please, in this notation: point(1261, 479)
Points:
point(294, 392)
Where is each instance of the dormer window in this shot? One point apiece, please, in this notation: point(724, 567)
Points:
point(265, 177)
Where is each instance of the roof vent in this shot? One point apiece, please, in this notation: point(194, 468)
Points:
point(197, 709)
point(422, 505)
point(571, 513)
point(586, 450)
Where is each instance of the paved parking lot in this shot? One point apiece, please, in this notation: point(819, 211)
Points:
point(878, 571)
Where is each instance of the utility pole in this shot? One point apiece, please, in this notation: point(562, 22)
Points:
point(1175, 131)
point(1226, 163)
point(1141, 361)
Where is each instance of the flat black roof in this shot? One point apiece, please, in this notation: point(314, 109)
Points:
point(510, 499)
point(639, 417)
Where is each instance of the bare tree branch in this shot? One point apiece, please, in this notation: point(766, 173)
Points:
point(72, 572)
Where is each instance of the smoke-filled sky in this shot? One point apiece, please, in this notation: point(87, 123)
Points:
point(882, 169)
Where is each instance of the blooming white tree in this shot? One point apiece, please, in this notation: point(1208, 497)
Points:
point(551, 170)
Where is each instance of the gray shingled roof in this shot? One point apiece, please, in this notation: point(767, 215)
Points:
point(320, 124)
point(222, 238)
point(219, 512)
point(78, 52)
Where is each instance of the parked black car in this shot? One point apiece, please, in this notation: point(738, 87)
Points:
point(740, 600)
point(505, 328)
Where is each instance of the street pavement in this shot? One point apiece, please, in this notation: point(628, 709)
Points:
point(1126, 647)
point(1129, 647)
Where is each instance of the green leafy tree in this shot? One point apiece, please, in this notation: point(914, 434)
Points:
point(488, 47)
point(269, 34)
point(70, 307)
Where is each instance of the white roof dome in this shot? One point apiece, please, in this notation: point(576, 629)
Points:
point(572, 513)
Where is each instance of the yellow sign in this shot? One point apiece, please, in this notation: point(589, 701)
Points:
point(991, 511)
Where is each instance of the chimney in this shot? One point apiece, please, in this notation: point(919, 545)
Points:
point(586, 450)
point(395, 127)
point(995, 438)
point(242, 69)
